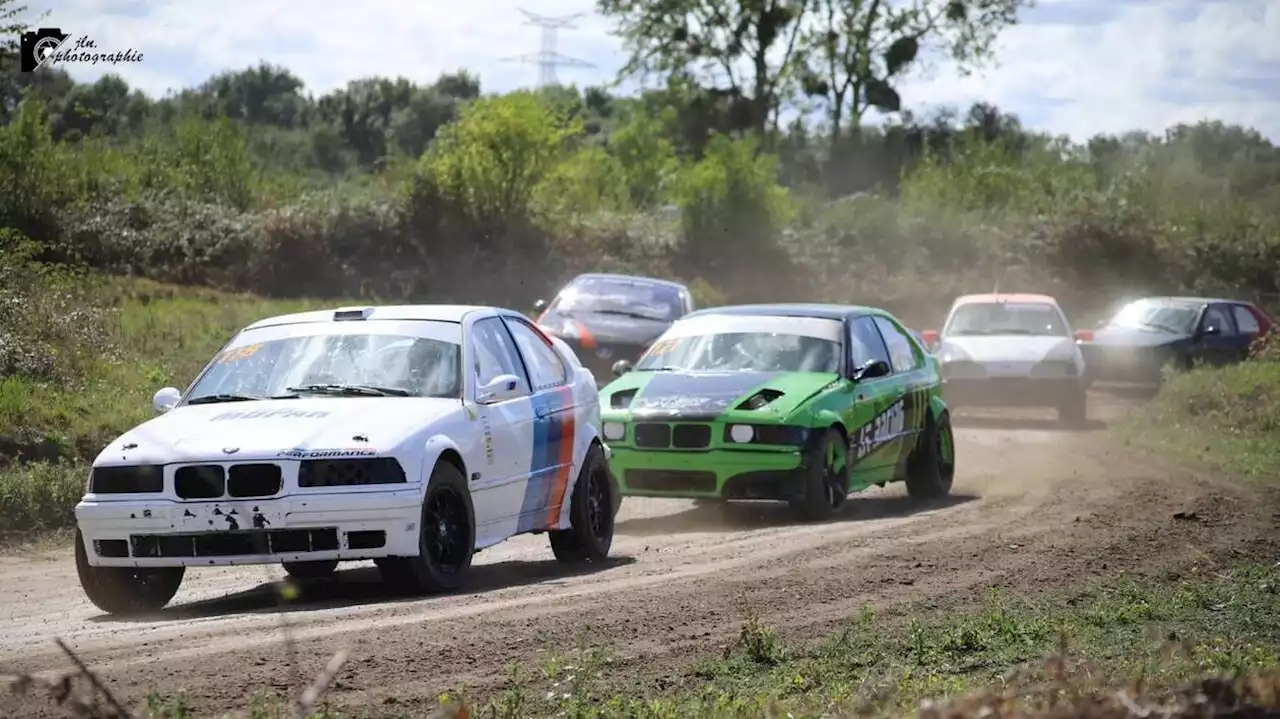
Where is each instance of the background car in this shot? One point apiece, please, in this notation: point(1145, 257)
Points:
point(413, 436)
point(607, 317)
point(792, 402)
point(1147, 334)
point(1011, 349)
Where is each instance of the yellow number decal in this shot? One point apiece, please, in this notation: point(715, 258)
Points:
point(238, 353)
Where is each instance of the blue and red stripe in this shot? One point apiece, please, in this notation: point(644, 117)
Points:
point(552, 459)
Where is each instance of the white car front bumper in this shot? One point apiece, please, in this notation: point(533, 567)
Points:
point(318, 526)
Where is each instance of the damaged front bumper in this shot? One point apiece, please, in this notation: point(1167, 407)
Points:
point(167, 533)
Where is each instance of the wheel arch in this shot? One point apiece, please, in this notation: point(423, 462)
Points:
point(938, 407)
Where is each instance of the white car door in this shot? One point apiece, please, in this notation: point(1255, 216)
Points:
point(500, 472)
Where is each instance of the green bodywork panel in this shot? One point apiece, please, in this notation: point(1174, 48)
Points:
point(683, 419)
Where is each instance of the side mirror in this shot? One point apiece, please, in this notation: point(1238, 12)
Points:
point(872, 369)
point(930, 338)
point(499, 389)
point(539, 304)
point(166, 399)
point(1084, 335)
point(621, 367)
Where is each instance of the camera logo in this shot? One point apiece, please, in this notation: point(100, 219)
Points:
point(40, 45)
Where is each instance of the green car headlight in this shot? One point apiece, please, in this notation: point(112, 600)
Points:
point(765, 434)
point(614, 431)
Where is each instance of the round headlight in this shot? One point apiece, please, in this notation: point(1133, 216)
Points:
point(741, 433)
point(614, 431)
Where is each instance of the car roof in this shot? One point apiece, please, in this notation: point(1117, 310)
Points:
point(1006, 297)
point(791, 309)
point(438, 313)
point(1185, 300)
point(637, 279)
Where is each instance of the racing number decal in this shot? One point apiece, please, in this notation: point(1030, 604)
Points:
point(883, 428)
point(239, 353)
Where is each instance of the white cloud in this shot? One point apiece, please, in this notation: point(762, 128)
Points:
point(1076, 67)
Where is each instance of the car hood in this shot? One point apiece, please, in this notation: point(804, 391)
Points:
point(710, 394)
point(612, 329)
point(263, 429)
point(1112, 336)
point(1006, 348)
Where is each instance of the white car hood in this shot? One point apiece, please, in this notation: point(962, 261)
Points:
point(1020, 349)
point(264, 429)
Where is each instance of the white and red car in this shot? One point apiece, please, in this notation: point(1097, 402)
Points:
point(410, 435)
point(1011, 349)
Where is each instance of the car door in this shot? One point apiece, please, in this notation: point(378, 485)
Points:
point(1218, 341)
point(1247, 325)
point(912, 381)
point(554, 428)
point(499, 469)
point(869, 419)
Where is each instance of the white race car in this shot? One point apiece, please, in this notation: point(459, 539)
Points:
point(412, 435)
point(1011, 349)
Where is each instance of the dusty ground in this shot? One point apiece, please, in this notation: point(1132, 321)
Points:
point(1033, 506)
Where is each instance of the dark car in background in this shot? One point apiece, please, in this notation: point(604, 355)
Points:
point(607, 317)
point(1147, 334)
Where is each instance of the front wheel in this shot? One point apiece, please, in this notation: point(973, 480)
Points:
point(126, 590)
point(591, 514)
point(932, 466)
point(446, 538)
point(826, 479)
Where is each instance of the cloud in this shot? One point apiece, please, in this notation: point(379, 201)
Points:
point(1074, 67)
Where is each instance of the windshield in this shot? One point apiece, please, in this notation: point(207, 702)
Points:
point(617, 296)
point(747, 344)
point(1155, 315)
point(397, 364)
point(1006, 318)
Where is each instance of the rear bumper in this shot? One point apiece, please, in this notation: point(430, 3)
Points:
point(716, 474)
point(167, 533)
point(1012, 391)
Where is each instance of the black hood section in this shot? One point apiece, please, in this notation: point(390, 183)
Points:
point(609, 328)
point(695, 394)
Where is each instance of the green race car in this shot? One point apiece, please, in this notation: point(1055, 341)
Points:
point(793, 402)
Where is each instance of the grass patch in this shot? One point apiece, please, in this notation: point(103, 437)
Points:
point(1226, 417)
point(1153, 634)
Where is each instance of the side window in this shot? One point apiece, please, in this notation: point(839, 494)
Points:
point(545, 368)
point(495, 353)
point(901, 352)
point(1246, 320)
point(1217, 316)
point(865, 343)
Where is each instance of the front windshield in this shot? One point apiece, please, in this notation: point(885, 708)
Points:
point(773, 346)
point(647, 300)
point(1155, 315)
point(277, 367)
point(1006, 318)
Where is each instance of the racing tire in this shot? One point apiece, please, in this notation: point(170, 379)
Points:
point(826, 479)
point(591, 514)
point(929, 473)
point(317, 569)
point(446, 538)
point(126, 590)
point(1073, 409)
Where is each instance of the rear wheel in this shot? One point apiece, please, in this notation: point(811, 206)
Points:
point(826, 479)
point(318, 569)
point(126, 590)
point(931, 467)
point(591, 514)
point(446, 538)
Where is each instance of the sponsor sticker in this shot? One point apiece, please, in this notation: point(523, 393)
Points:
point(341, 453)
point(270, 414)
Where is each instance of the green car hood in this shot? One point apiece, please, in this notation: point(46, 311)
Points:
point(709, 394)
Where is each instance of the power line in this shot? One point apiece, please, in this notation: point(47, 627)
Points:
point(547, 58)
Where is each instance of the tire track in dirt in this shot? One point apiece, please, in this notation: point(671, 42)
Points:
point(1033, 506)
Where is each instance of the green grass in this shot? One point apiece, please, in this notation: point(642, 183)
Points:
point(1160, 631)
point(1227, 418)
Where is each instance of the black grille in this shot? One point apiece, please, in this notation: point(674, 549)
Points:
point(652, 436)
point(231, 544)
point(670, 480)
point(127, 480)
point(205, 481)
point(347, 472)
point(691, 436)
point(253, 480)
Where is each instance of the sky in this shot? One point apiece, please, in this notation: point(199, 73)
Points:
point(1073, 67)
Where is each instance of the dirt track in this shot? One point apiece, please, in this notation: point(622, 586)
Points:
point(1033, 507)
